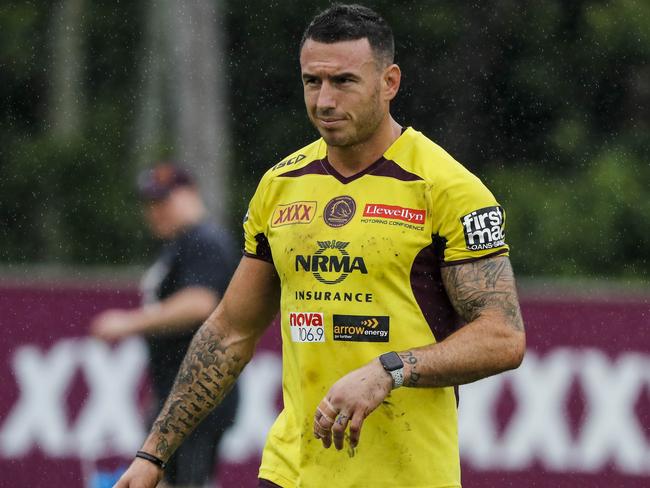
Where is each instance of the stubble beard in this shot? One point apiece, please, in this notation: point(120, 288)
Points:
point(365, 127)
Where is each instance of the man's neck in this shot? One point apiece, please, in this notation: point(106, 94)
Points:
point(351, 160)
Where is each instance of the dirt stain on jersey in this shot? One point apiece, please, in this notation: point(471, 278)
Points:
point(388, 409)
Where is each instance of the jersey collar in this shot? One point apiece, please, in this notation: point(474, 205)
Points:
point(394, 147)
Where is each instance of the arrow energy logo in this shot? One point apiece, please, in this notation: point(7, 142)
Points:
point(361, 328)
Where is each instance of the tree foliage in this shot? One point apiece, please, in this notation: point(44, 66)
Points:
point(546, 101)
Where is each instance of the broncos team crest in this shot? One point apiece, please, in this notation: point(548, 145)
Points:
point(339, 211)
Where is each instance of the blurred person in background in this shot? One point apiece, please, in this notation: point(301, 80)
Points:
point(180, 290)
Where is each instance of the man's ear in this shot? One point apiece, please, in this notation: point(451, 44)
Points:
point(391, 79)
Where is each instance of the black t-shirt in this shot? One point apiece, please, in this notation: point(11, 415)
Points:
point(201, 256)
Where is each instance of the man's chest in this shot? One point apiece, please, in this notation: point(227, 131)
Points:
point(328, 231)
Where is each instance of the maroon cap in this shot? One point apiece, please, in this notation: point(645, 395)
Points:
point(157, 182)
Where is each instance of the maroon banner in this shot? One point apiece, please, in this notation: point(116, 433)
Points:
point(576, 413)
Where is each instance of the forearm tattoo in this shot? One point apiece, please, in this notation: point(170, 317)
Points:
point(485, 284)
point(409, 358)
point(206, 375)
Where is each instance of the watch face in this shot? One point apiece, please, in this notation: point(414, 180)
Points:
point(391, 361)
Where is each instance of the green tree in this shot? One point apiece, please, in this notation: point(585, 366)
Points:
point(546, 101)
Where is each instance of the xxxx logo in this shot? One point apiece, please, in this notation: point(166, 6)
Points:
point(293, 213)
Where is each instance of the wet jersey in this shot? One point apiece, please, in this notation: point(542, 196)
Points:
point(359, 262)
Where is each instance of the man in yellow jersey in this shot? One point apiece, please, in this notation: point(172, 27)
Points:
point(387, 261)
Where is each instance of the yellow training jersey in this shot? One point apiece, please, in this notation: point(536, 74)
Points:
point(359, 261)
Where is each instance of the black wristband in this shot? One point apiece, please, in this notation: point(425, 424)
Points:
point(151, 458)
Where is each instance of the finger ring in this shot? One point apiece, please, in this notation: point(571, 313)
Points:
point(325, 416)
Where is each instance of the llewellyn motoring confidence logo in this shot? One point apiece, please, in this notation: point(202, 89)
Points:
point(379, 213)
point(483, 228)
point(394, 212)
point(331, 263)
point(339, 211)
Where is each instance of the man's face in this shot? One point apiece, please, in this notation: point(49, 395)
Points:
point(159, 217)
point(342, 87)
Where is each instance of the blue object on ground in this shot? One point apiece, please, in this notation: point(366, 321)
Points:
point(106, 479)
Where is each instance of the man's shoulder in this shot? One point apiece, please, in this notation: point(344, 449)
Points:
point(206, 236)
point(298, 159)
point(420, 155)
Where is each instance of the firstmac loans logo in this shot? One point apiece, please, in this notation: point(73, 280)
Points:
point(483, 228)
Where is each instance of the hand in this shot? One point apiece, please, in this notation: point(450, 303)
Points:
point(112, 325)
point(141, 474)
point(350, 400)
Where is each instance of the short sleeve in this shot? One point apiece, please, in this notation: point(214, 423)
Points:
point(468, 220)
point(256, 244)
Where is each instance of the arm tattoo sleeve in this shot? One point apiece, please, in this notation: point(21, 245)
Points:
point(207, 373)
point(484, 284)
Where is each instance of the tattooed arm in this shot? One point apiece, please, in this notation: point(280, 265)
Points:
point(218, 353)
point(483, 293)
point(493, 340)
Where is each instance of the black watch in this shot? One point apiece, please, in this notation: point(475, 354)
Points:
point(394, 365)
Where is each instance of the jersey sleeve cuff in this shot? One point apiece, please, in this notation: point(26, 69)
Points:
point(266, 259)
point(498, 252)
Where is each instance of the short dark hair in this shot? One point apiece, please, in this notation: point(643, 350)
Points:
point(351, 22)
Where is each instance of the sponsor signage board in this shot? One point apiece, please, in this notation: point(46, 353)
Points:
point(576, 413)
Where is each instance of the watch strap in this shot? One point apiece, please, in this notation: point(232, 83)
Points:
point(398, 377)
point(393, 365)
